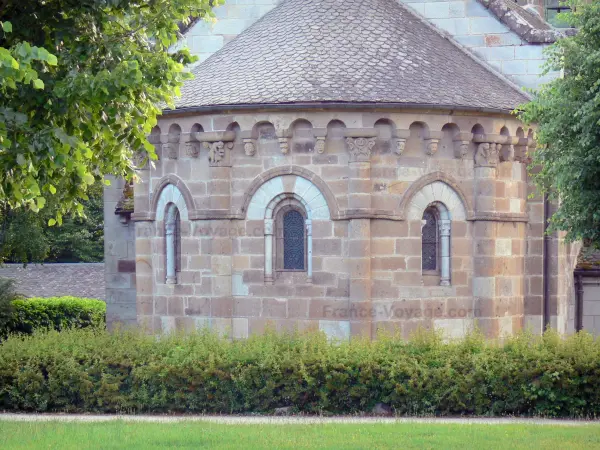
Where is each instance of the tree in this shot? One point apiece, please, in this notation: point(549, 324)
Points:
point(81, 85)
point(567, 111)
point(26, 238)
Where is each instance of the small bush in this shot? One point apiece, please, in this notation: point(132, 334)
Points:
point(92, 370)
point(55, 313)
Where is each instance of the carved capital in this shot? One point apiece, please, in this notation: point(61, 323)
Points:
point(360, 148)
point(192, 149)
point(217, 152)
point(432, 146)
point(284, 144)
point(486, 154)
point(249, 147)
point(320, 145)
point(399, 146)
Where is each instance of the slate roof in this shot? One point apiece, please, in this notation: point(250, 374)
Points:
point(349, 51)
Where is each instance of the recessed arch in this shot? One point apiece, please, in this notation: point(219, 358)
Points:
point(309, 177)
point(171, 189)
point(431, 188)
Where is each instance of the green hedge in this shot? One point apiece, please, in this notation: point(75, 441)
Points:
point(55, 313)
point(96, 371)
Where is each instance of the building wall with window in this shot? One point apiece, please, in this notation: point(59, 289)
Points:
point(346, 222)
point(351, 220)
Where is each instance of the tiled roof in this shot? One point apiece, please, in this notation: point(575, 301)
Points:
point(350, 51)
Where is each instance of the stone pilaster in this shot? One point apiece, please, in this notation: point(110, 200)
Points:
point(484, 238)
point(359, 230)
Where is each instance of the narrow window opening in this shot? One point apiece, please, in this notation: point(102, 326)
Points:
point(430, 241)
point(173, 243)
point(293, 241)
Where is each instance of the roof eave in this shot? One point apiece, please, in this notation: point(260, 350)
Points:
point(219, 109)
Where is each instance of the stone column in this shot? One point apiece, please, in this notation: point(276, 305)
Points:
point(170, 244)
point(445, 249)
point(309, 265)
point(269, 251)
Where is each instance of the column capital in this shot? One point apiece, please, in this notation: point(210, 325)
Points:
point(360, 148)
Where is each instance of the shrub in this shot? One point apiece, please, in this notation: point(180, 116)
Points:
point(55, 313)
point(92, 370)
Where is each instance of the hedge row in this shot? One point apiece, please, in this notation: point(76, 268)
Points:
point(54, 313)
point(126, 371)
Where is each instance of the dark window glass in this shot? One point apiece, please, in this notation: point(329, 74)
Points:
point(430, 241)
point(293, 241)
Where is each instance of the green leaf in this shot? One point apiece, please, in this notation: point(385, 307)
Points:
point(38, 84)
point(41, 202)
point(7, 27)
point(89, 178)
point(51, 222)
point(52, 189)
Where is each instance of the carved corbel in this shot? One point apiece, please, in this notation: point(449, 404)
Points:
point(192, 147)
point(171, 148)
point(399, 146)
point(320, 145)
point(431, 146)
point(461, 145)
point(399, 141)
point(249, 147)
point(284, 145)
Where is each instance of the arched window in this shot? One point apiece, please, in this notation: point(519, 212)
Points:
point(288, 237)
point(173, 243)
point(430, 241)
point(435, 242)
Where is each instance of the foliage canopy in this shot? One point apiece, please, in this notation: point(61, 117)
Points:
point(567, 111)
point(81, 85)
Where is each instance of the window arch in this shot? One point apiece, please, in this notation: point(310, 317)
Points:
point(288, 236)
point(435, 242)
point(173, 243)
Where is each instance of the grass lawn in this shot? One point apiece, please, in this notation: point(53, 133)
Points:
point(109, 435)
